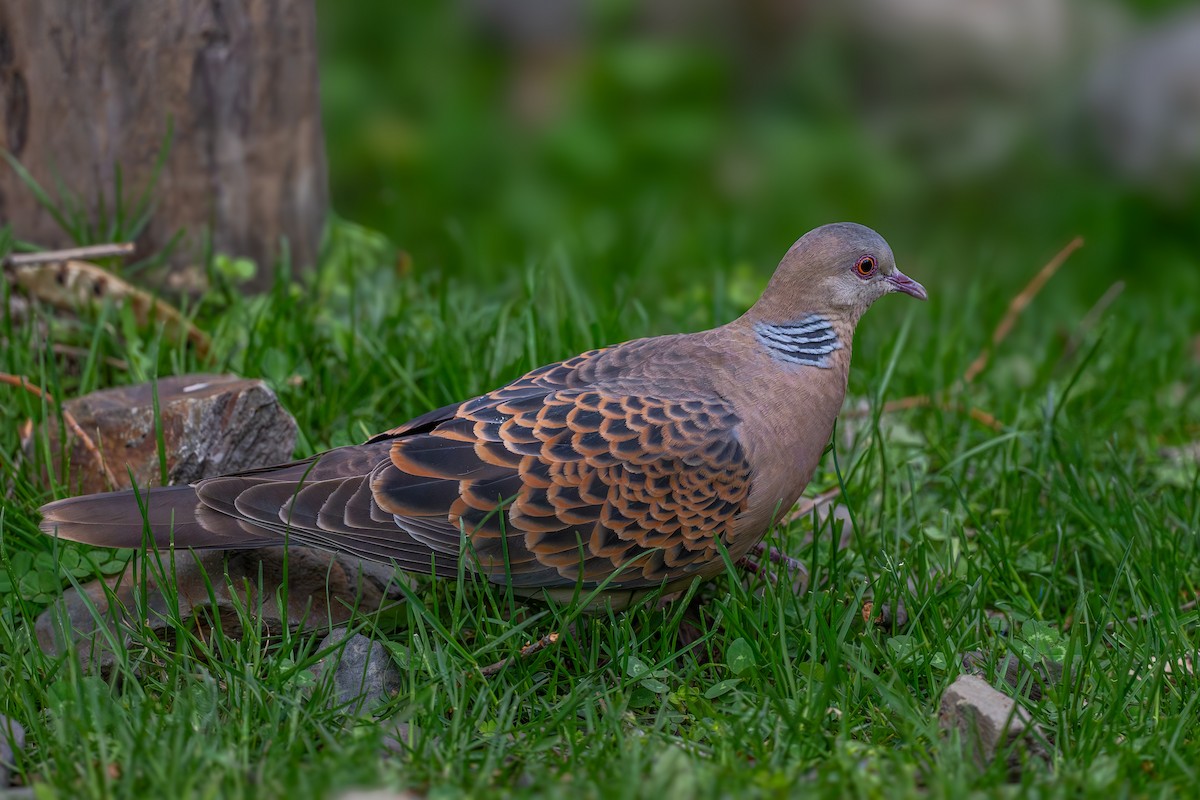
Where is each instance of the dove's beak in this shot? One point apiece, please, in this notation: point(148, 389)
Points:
point(899, 282)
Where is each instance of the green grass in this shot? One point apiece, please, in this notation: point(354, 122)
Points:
point(990, 539)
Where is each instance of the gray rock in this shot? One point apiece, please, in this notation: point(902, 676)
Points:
point(12, 741)
point(323, 589)
point(990, 724)
point(211, 425)
point(1144, 105)
point(398, 740)
point(364, 673)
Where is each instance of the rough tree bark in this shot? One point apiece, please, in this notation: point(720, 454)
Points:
point(87, 85)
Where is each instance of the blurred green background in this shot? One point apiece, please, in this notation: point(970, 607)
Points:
point(673, 144)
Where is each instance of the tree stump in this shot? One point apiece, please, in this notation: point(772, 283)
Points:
point(88, 87)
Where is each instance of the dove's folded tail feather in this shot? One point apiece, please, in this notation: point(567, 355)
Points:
point(173, 516)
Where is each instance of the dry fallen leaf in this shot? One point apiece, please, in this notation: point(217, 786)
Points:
point(77, 284)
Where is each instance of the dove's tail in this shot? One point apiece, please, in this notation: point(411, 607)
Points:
point(172, 516)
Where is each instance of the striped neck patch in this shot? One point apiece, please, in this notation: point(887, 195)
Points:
point(809, 340)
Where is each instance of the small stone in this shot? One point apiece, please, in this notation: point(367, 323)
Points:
point(989, 723)
point(364, 673)
point(211, 425)
point(323, 589)
point(398, 740)
point(12, 741)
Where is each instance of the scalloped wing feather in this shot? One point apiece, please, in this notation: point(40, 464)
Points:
point(575, 485)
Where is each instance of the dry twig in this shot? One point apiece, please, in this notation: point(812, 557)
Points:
point(77, 353)
point(116, 249)
point(922, 401)
point(925, 401)
point(526, 652)
point(1018, 305)
point(21, 382)
point(808, 505)
point(82, 353)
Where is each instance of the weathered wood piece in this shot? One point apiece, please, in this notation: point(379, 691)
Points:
point(364, 674)
point(88, 87)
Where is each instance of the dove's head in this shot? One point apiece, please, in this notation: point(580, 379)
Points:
point(840, 269)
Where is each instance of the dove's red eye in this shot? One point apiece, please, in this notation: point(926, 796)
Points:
point(865, 267)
